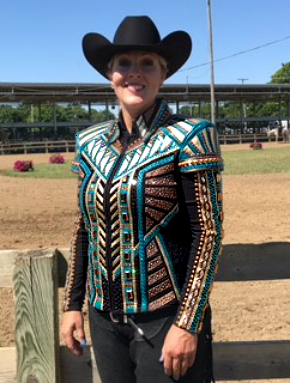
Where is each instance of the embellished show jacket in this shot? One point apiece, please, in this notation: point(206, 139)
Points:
point(149, 228)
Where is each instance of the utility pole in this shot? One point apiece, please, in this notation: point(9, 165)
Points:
point(212, 94)
point(243, 80)
point(244, 109)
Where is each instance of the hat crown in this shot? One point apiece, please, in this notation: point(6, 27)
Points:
point(137, 30)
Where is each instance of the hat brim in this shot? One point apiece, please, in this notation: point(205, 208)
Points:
point(174, 48)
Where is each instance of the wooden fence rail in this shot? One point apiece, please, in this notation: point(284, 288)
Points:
point(37, 147)
point(37, 275)
point(242, 138)
point(69, 145)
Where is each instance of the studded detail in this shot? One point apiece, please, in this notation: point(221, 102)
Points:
point(127, 237)
point(125, 217)
point(127, 256)
point(130, 295)
point(128, 274)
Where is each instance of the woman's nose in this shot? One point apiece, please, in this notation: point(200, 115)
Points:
point(135, 70)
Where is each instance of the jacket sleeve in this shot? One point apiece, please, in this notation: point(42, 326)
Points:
point(200, 165)
point(78, 263)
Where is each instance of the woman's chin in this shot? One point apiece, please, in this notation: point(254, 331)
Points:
point(137, 106)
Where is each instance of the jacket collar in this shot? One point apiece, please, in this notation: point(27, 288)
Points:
point(144, 126)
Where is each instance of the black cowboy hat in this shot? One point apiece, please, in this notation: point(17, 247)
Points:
point(137, 33)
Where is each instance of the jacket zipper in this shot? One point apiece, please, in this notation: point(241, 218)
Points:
point(107, 190)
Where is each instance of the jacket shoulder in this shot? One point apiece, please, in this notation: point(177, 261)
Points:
point(93, 132)
point(185, 128)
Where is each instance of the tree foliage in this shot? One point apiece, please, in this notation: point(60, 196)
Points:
point(282, 76)
point(46, 113)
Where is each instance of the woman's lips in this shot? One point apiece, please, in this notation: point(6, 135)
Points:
point(135, 87)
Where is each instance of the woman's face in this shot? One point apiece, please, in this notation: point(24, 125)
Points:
point(136, 78)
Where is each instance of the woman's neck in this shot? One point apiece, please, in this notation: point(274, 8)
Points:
point(130, 116)
point(128, 119)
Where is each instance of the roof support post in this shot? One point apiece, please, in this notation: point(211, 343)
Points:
point(54, 119)
point(288, 117)
point(242, 116)
point(90, 110)
point(107, 110)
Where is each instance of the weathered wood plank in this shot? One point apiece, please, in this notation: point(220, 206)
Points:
point(7, 364)
point(252, 360)
point(240, 262)
point(7, 258)
point(233, 361)
point(75, 370)
point(249, 262)
point(72, 368)
point(36, 317)
point(7, 378)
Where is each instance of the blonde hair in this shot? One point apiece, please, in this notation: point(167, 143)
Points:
point(161, 60)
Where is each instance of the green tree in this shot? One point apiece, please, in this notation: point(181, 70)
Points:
point(282, 76)
point(68, 113)
point(6, 114)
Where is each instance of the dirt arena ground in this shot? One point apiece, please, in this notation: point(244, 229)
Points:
point(36, 213)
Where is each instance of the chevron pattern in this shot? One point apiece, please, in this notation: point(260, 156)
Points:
point(103, 224)
point(101, 219)
point(115, 229)
point(160, 195)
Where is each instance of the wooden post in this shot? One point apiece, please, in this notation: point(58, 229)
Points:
point(36, 317)
point(212, 90)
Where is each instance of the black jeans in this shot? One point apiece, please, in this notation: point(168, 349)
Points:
point(124, 356)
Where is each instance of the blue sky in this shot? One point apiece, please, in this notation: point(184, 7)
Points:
point(41, 40)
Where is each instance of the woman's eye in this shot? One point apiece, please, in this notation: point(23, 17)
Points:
point(147, 62)
point(124, 62)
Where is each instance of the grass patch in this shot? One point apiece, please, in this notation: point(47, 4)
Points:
point(60, 171)
point(249, 161)
point(264, 161)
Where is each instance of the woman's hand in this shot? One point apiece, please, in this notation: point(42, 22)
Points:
point(73, 321)
point(178, 351)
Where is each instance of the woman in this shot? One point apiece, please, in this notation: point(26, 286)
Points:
point(149, 224)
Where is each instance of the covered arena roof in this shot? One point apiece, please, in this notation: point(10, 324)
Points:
point(102, 93)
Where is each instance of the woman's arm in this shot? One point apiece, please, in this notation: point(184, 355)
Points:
point(200, 166)
point(72, 320)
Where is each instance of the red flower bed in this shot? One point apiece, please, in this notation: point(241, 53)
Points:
point(23, 166)
point(56, 159)
point(256, 145)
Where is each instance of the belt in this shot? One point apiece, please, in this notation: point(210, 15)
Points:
point(119, 317)
point(130, 319)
